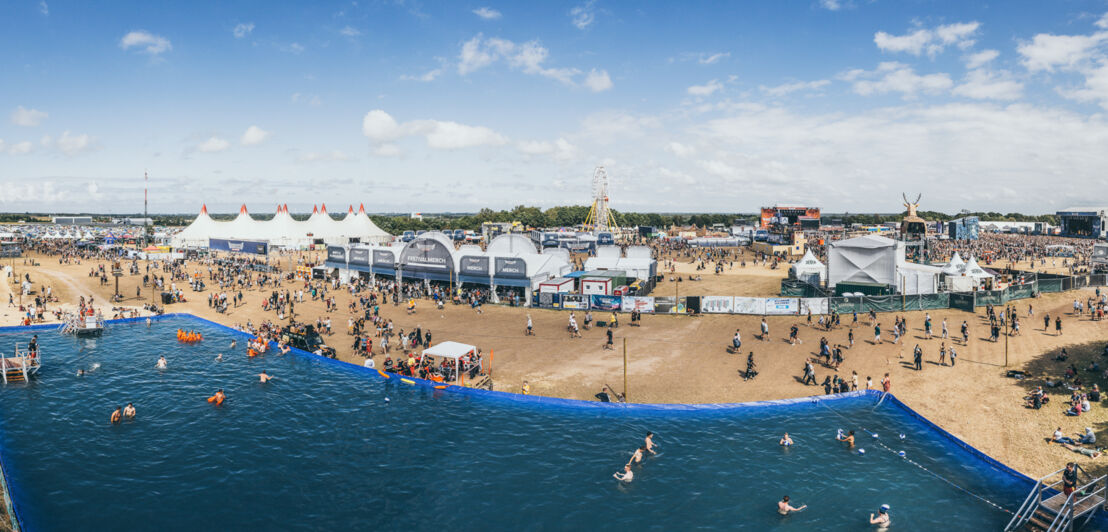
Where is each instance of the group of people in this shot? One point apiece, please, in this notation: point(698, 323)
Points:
point(628, 474)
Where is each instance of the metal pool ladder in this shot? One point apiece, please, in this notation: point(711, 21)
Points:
point(1047, 508)
point(20, 367)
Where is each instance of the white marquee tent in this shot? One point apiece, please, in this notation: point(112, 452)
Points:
point(809, 269)
point(282, 230)
point(866, 259)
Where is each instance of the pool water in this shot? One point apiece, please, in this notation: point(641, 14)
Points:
point(332, 446)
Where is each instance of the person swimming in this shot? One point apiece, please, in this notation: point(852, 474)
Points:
point(783, 506)
point(117, 415)
point(80, 373)
point(636, 458)
point(626, 475)
point(233, 344)
point(263, 377)
point(162, 363)
point(786, 441)
point(148, 322)
point(218, 398)
point(219, 357)
point(882, 518)
point(649, 442)
point(848, 438)
point(129, 411)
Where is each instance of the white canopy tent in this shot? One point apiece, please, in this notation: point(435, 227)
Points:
point(282, 230)
point(866, 259)
point(809, 269)
point(975, 271)
point(453, 351)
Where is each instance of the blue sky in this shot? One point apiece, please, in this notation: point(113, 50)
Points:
point(420, 106)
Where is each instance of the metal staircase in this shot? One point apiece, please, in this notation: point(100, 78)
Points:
point(1047, 508)
point(20, 367)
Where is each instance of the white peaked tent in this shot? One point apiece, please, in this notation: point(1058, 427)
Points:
point(866, 259)
point(282, 230)
point(809, 269)
point(975, 271)
point(956, 265)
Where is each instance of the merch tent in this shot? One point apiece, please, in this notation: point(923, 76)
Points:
point(453, 351)
point(511, 245)
point(809, 269)
point(865, 259)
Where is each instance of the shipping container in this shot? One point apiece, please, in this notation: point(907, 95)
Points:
point(596, 286)
point(554, 286)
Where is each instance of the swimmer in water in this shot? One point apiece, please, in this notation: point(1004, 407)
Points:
point(219, 396)
point(637, 457)
point(650, 443)
point(785, 440)
point(117, 415)
point(626, 475)
point(783, 506)
point(233, 344)
point(162, 363)
point(882, 519)
point(129, 411)
point(148, 321)
point(848, 438)
point(80, 373)
point(263, 377)
point(219, 357)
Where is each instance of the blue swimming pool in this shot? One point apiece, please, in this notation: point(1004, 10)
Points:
point(321, 448)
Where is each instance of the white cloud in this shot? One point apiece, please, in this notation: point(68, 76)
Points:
point(386, 150)
point(330, 156)
point(350, 31)
point(21, 148)
point(529, 57)
point(714, 58)
point(789, 88)
point(380, 127)
point(243, 29)
point(598, 80)
point(93, 190)
point(487, 13)
point(212, 145)
point(981, 58)
point(583, 15)
point(1103, 22)
point(718, 168)
point(705, 90)
point(933, 41)
point(28, 117)
point(43, 8)
point(898, 77)
point(680, 150)
point(1095, 88)
point(428, 76)
point(253, 136)
point(72, 144)
point(982, 85)
point(1047, 52)
point(293, 48)
point(831, 5)
point(535, 147)
point(146, 42)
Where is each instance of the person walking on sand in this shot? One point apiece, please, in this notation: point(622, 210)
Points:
point(877, 334)
point(1058, 326)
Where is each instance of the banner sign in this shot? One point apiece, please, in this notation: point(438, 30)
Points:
point(426, 255)
point(816, 305)
point(603, 302)
point(639, 303)
point(359, 256)
point(384, 258)
point(665, 305)
point(749, 305)
point(717, 304)
point(782, 305)
point(256, 247)
point(475, 266)
point(575, 301)
point(509, 267)
point(336, 254)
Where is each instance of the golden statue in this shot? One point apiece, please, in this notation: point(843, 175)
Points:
point(912, 206)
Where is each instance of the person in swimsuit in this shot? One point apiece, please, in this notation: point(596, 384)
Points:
point(117, 415)
point(785, 442)
point(233, 344)
point(882, 519)
point(263, 377)
point(626, 475)
point(848, 438)
point(129, 411)
point(649, 443)
point(637, 457)
point(219, 357)
point(161, 362)
point(783, 506)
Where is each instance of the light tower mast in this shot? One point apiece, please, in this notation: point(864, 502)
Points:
point(600, 216)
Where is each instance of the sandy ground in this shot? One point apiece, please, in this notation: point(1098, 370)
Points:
point(682, 359)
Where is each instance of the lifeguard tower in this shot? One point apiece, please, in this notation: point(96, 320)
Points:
point(22, 366)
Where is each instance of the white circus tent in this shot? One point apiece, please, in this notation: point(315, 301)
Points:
point(283, 230)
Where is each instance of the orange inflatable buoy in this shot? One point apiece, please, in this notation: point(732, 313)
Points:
point(250, 352)
point(440, 387)
point(211, 399)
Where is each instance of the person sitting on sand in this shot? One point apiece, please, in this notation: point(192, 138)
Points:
point(1091, 453)
point(626, 475)
point(117, 415)
point(1089, 437)
point(786, 441)
point(783, 506)
point(1060, 437)
point(129, 411)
